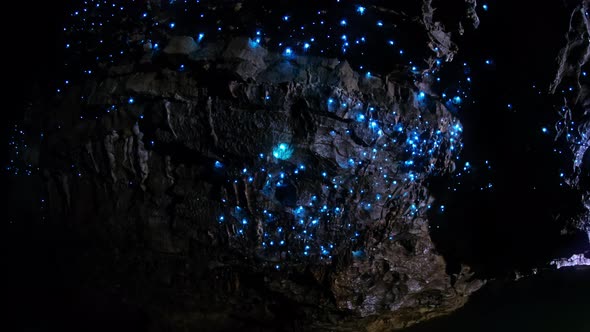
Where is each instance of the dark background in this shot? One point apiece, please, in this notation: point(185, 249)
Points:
point(511, 227)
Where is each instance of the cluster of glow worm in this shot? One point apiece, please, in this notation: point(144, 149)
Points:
point(102, 34)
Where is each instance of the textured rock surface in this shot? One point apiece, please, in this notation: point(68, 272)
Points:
point(573, 129)
point(251, 184)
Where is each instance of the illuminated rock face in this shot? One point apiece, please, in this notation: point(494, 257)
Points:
point(571, 85)
point(275, 181)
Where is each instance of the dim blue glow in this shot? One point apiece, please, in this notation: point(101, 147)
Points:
point(544, 130)
point(343, 23)
point(485, 7)
point(172, 25)
point(285, 18)
point(201, 36)
point(488, 62)
point(306, 46)
point(379, 23)
point(360, 9)
point(360, 118)
point(421, 95)
point(457, 100)
point(357, 253)
point(131, 100)
point(288, 51)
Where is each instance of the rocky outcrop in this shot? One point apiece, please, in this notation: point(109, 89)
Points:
point(573, 129)
point(258, 182)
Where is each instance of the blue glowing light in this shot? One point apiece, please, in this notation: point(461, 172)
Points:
point(343, 22)
point(457, 100)
point(360, 118)
point(131, 100)
point(488, 62)
point(360, 9)
point(288, 51)
point(544, 130)
point(306, 46)
point(485, 7)
point(172, 25)
point(379, 23)
point(421, 95)
point(283, 151)
point(285, 18)
point(201, 36)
